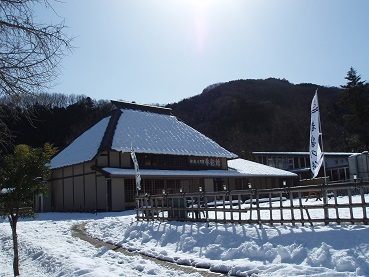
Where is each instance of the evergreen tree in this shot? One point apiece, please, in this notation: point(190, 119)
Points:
point(21, 176)
point(355, 100)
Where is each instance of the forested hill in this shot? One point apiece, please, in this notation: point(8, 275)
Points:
point(242, 116)
point(263, 115)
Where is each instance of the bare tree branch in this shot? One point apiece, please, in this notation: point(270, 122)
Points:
point(30, 52)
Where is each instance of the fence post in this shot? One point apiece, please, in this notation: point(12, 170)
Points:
point(350, 204)
point(239, 207)
point(270, 209)
point(292, 208)
point(281, 206)
point(325, 206)
point(365, 218)
point(230, 198)
point(257, 206)
point(336, 207)
point(301, 208)
point(224, 208)
point(251, 199)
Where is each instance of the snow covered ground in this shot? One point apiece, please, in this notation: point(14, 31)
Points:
point(47, 247)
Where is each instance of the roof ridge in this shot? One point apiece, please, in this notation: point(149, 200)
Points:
point(140, 107)
point(107, 140)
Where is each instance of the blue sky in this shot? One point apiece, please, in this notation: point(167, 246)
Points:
point(162, 51)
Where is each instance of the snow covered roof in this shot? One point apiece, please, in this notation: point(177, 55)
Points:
point(254, 169)
point(150, 129)
point(83, 148)
point(162, 134)
point(237, 168)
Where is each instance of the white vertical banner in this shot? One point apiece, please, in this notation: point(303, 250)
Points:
point(316, 155)
point(137, 170)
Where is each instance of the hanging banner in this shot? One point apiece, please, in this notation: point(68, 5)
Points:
point(316, 155)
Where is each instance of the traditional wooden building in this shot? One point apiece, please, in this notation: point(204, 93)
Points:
point(336, 163)
point(359, 166)
point(96, 173)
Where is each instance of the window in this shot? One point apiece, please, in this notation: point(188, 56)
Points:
point(342, 174)
point(191, 185)
point(147, 186)
point(279, 162)
point(241, 183)
point(347, 170)
point(129, 190)
point(296, 162)
point(290, 163)
point(158, 185)
point(173, 186)
point(271, 162)
point(218, 184)
point(335, 175)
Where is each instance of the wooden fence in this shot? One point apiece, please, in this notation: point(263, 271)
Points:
point(332, 203)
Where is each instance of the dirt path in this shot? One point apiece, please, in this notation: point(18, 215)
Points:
point(79, 232)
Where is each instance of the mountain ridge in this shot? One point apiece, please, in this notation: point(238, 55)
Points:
point(263, 115)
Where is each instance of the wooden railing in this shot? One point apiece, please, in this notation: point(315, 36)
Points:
point(331, 203)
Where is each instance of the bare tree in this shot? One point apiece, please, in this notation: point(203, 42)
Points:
point(30, 52)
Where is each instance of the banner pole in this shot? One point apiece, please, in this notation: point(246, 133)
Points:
point(325, 198)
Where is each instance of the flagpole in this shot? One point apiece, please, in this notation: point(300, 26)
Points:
point(325, 197)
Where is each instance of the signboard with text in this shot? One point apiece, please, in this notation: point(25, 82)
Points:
point(205, 162)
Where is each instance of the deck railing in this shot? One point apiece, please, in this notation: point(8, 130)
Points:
point(331, 203)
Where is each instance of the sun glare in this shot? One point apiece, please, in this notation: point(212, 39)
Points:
point(199, 3)
point(201, 10)
point(205, 15)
